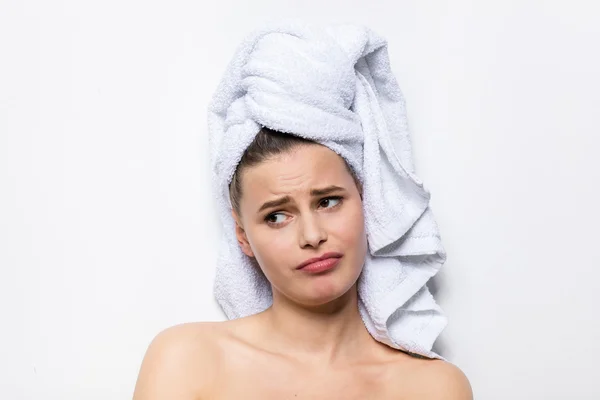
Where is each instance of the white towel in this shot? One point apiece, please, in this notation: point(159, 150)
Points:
point(333, 84)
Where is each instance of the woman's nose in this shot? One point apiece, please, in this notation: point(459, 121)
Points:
point(312, 233)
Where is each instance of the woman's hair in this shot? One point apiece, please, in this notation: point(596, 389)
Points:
point(267, 144)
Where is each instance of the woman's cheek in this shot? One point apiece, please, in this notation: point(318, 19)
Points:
point(272, 245)
point(279, 245)
point(346, 224)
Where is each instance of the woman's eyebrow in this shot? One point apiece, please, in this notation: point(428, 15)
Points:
point(287, 199)
point(326, 190)
point(275, 203)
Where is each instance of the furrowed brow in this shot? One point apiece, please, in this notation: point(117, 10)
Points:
point(275, 203)
point(325, 191)
point(287, 199)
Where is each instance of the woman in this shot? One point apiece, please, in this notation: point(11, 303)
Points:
point(294, 200)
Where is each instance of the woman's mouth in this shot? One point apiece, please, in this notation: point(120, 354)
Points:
point(324, 263)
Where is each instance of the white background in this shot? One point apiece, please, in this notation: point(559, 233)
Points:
point(107, 227)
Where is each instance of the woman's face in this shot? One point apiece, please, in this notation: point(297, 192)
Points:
point(299, 225)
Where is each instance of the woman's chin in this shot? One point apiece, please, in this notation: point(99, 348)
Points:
point(322, 293)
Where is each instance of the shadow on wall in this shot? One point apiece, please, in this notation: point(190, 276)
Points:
point(434, 284)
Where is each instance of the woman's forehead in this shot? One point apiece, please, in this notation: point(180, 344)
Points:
point(301, 170)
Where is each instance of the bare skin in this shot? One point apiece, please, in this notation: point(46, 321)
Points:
point(311, 343)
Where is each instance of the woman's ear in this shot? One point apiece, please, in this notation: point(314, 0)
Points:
point(241, 236)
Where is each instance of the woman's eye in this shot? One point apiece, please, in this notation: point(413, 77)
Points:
point(331, 202)
point(278, 218)
point(272, 218)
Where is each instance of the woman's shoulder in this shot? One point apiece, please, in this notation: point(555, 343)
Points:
point(187, 336)
point(191, 338)
point(436, 379)
point(180, 360)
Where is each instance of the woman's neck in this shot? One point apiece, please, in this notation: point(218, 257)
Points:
point(330, 334)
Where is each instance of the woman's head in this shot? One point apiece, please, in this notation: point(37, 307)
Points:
point(294, 199)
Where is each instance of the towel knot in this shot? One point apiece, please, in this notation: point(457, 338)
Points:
point(318, 107)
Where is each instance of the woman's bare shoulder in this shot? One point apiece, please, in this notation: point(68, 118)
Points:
point(187, 340)
point(438, 379)
point(180, 361)
point(188, 336)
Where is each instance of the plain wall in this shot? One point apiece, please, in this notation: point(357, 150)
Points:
point(107, 228)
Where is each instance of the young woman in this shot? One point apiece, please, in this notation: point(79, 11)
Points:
point(294, 201)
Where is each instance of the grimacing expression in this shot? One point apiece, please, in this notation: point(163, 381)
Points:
point(282, 236)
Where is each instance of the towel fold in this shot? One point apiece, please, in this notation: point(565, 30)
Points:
point(333, 84)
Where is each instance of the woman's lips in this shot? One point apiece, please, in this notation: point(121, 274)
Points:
point(329, 254)
point(321, 265)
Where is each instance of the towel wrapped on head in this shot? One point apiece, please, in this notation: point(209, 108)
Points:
point(333, 85)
